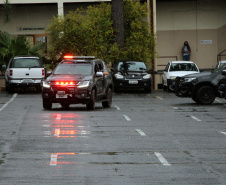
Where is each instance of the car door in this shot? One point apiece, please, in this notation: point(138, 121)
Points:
point(164, 76)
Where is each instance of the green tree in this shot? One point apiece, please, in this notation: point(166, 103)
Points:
point(90, 32)
point(11, 46)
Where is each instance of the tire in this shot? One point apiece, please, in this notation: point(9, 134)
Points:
point(195, 99)
point(91, 104)
point(10, 89)
point(116, 89)
point(147, 89)
point(164, 88)
point(39, 89)
point(107, 104)
point(65, 105)
point(205, 95)
point(47, 104)
point(168, 89)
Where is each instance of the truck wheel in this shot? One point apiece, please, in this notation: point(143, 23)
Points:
point(205, 95)
point(91, 104)
point(107, 104)
point(47, 104)
point(148, 89)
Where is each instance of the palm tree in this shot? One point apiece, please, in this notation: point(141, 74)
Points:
point(11, 46)
point(7, 8)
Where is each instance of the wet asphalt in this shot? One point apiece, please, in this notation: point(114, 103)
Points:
point(143, 138)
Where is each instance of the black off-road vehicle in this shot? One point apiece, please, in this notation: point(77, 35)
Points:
point(78, 80)
point(203, 87)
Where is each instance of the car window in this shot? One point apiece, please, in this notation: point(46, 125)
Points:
point(26, 63)
point(183, 67)
point(83, 69)
point(131, 66)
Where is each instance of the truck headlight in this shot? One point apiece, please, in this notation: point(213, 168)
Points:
point(190, 79)
point(147, 76)
point(172, 77)
point(84, 84)
point(46, 84)
point(118, 76)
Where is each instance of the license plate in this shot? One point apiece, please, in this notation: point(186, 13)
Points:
point(133, 81)
point(27, 80)
point(61, 95)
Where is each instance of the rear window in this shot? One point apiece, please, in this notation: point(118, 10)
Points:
point(26, 63)
point(83, 69)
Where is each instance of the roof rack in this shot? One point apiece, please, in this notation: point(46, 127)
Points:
point(78, 57)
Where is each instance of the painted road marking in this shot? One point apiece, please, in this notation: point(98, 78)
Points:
point(223, 133)
point(176, 108)
point(158, 97)
point(140, 132)
point(58, 116)
point(127, 117)
point(117, 107)
point(7, 103)
point(53, 160)
point(197, 119)
point(162, 159)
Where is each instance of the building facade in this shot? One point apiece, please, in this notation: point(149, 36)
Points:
point(200, 22)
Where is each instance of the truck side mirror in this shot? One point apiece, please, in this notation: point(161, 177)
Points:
point(223, 72)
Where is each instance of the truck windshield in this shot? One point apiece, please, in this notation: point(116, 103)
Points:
point(223, 66)
point(26, 63)
point(82, 69)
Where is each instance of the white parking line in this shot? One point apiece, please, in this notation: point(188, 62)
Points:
point(7, 103)
point(53, 160)
point(140, 132)
point(176, 108)
point(223, 133)
point(197, 119)
point(127, 117)
point(117, 107)
point(159, 97)
point(162, 159)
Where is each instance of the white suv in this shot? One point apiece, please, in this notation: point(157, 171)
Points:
point(24, 71)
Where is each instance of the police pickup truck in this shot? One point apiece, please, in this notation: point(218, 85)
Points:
point(203, 87)
point(78, 80)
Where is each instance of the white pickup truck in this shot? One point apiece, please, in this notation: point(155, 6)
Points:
point(24, 71)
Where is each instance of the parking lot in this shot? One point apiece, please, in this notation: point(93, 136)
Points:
point(143, 138)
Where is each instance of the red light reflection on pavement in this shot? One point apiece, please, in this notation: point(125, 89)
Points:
point(65, 124)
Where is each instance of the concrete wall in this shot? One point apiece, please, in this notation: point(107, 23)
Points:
point(202, 23)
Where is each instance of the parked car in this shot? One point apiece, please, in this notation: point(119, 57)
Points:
point(131, 75)
point(78, 80)
point(177, 68)
point(204, 87)
point(24, 71)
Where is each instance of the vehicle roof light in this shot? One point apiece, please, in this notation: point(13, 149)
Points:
point(78, 57)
